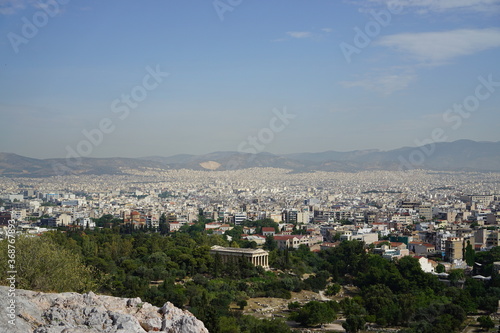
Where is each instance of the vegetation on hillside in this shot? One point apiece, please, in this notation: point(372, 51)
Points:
point(127, 262)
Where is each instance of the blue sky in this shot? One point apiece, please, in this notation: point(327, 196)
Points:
point(230, 63)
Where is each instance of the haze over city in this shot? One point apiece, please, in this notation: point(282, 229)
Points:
point(205, 77)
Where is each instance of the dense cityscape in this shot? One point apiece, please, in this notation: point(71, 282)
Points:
point(439, 218)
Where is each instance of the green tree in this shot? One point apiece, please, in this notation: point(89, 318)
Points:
point(456, 275)
point(352, 306)
point(470, 254)
point(315, 313)
point(228, 325)
point(252, 324)
point(317, 282)
point(163, 227)
point(108, 221)
point(217, 265)
point(333, 289)
point(353, 324)
point(485, 322)
point(380, 301)
point(43, 265)
point(242, 303)
point(235, 233)
point(270, 243)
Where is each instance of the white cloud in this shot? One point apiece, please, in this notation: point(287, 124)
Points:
point(438, 47)
point(299, 34)
point(425, 6)
point(8, 7)
point(315, 35)
point(383, 83)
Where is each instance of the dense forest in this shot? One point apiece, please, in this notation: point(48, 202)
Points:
point(159, 267)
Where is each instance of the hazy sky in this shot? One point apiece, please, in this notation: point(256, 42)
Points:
point(292, 75)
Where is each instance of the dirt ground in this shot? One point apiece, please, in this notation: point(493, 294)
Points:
point(265, 307)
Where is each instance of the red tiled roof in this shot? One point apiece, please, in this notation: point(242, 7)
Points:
point(284, 237)
point(327, 244)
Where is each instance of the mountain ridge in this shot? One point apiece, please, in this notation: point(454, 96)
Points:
point(460, 155)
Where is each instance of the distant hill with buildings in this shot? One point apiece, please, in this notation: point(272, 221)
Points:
point(462, 155)
point(15, 165)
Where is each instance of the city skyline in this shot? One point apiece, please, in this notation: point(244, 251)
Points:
point(341, 76)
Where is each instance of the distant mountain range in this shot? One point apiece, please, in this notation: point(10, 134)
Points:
point(462, 155)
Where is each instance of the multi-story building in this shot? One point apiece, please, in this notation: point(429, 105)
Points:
point(454, 247)
point(303, 217)
point(425, 212)
point(134, 218)
point(152, 220)
point(268, 231)
point(440, 238)
point(421, 248)
point(239, 218)
point(276, 217)
point(483, 200)
point(18, 214)
point(294, 241)
point(291, 216)
point(58, 220)
point(4, 218)
point(174, 226)
point(372, 217)
point(486, 239)
point(493, 239)
point(403, 218)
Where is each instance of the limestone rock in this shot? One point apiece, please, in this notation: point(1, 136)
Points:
point(90, 313)
point(210, 165)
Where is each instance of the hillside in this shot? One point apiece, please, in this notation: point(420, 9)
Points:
point(462, 155)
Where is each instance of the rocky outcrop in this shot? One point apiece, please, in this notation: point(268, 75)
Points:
point(90, 313)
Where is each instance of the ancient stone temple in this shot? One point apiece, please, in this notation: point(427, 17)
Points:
point(258, 257)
